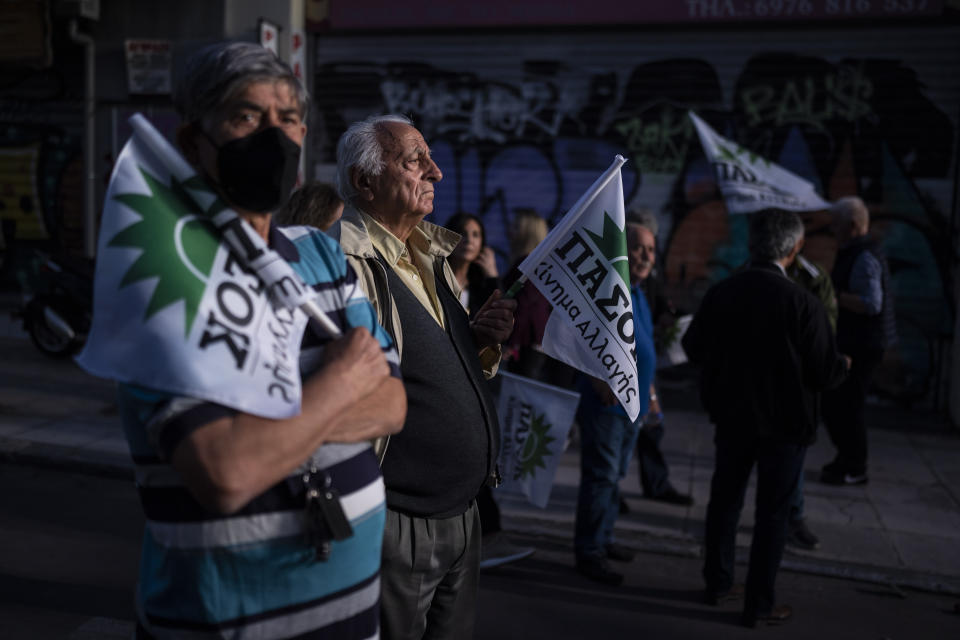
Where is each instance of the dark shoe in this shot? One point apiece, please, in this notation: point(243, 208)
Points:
point(597, 569)
point(672, 496)
point(799, 536)
point(831, 476)
point(834, 466)
point(714, 598)
point(777, 615)
point(624, 507)
point(619, 552)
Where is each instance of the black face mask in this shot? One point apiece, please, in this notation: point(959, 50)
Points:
point(258, 172)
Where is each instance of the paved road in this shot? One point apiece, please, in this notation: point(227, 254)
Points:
point(69, 548)
point(69, 545)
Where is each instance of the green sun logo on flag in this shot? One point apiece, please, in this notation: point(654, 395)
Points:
point(734, 156)
point(178, 246)
point(612, 243)
point(536, 447)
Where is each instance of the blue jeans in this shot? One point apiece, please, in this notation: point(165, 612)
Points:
point(606, 444)
point(796, 500)
point(654, 473)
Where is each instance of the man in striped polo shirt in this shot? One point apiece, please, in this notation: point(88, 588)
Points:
point(232, 547)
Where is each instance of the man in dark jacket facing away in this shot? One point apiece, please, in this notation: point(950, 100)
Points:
point(766, 349)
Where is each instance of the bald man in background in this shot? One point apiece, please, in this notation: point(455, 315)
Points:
point(865, 327)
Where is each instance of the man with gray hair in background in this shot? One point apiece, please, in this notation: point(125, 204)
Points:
point(766, 349)
point(449, 446)
point(642, 257)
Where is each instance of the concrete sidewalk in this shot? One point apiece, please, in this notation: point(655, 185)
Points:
point(901, 529)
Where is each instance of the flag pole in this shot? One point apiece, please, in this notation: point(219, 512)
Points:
point(516, 286)
point(569, 219)
point(182, 171)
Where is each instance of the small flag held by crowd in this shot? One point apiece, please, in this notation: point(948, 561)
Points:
point(535, 419)
point(581, 269)
point(752, 183)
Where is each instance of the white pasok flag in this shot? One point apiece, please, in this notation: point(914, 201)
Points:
point(535, 419)
point(174, 308)
point(581, 268)
point(751, 183)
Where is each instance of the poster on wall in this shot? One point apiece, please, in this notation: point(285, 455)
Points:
point(19, 201)
point(317, 13)
point(298, 63)
point(269, 35)
point(148, 66)
point(298, 53)
point(25, 31)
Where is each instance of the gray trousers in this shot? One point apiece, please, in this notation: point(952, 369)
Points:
point(429, 576)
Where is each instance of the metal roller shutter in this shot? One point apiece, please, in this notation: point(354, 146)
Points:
point(529, 119)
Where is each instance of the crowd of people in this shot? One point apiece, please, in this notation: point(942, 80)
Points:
point(373, 510)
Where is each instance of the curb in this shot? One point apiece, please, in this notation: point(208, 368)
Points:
point(557, 532)
point(893, 578)
point(60, 458)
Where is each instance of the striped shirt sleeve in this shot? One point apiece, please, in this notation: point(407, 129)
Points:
point(323, 266)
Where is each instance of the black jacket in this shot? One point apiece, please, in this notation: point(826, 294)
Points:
point(766, 349)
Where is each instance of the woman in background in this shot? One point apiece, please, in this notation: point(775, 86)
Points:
point(473, 262)
point(475, 267)
point(523, 349)
point(526, 231)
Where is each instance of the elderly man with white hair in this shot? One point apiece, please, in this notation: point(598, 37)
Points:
point(448, 448)
point(865, 327)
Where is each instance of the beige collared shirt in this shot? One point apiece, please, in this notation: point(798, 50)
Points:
point(414, 265)
point(411, 261)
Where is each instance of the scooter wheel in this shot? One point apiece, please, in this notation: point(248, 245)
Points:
point(46, 339)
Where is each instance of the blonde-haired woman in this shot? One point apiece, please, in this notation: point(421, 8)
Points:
point(526, 231)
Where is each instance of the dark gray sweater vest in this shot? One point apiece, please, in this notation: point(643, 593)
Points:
point(857, 332)
point(436, 466)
